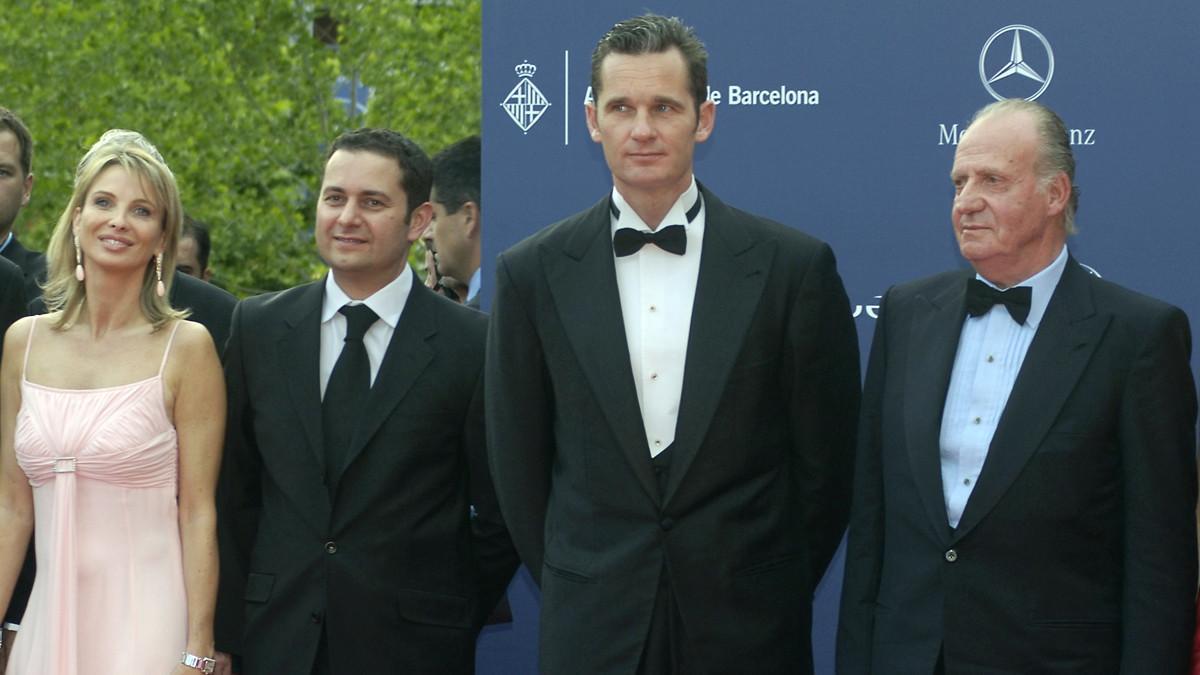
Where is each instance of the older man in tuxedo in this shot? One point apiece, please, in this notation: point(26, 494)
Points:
point(359, 527)
point(672, 388)
point(1026, 485)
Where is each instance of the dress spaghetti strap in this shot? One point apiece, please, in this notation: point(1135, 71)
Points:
point(166, 352)
point(28, 344)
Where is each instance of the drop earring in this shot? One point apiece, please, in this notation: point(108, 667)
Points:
point(161, 288)
point(78, 260)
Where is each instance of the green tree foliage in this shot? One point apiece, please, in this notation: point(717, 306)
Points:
point(239, 97)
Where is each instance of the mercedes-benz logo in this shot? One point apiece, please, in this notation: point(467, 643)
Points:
point(1017, 66)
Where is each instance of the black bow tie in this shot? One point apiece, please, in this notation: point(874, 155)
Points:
point(981, 298)
point(672, 238)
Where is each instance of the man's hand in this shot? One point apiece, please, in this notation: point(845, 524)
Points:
point(224, 664)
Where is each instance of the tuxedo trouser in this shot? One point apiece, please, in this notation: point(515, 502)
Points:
point(663, 653)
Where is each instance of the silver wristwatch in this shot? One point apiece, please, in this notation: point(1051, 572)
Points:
point(203, 664)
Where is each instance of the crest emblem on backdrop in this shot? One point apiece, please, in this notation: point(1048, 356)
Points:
point(525, 104)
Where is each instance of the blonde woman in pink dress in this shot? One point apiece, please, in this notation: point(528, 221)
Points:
point(112, 413)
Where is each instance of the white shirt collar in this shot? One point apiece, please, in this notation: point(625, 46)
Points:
point(475, 283)
point(388, 302)
point(1043, 284)
point(677, 215)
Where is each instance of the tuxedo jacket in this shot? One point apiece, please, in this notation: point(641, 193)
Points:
point(33, 268)
point(390, 563)
point(1076, 552)
point(757, 496)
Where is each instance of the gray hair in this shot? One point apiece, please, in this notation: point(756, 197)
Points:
point(1054, 150)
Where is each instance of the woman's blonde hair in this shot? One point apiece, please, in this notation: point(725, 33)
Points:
point(140, 158)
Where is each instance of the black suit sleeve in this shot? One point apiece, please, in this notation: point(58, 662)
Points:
point(519, 419)
point(495, 557)
point(238, 496)
point(864, 548)
point(824, 406)
point(12, 307)
point(1157, 442)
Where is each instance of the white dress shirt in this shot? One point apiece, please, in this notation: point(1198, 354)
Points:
point(657, 290)
point(991, 349)
point(388, 302)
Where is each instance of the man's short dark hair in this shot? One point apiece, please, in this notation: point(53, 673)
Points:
point(10, 121)
point(198, 231)
point(654, 34)
point(456, 174)
point(416, 170)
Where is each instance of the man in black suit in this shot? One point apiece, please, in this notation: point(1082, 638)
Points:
point(671, 425)
point(1026, 485)
point(194, 248)
point(456, 233)
point(16, 186)
point(359, 531)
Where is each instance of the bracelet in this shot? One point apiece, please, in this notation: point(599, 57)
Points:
point(204, 664)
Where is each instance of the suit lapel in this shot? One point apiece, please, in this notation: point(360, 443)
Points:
point(583, 282)
point(936, 328)
point(733, 273)
point(300, 350)
point(1061, 349)
point(407, 356)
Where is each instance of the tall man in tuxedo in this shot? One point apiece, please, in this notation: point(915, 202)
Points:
point(355, 458)
point(1026, 486)
point(670, 426)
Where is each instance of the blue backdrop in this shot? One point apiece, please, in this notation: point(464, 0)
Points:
point(841, 118)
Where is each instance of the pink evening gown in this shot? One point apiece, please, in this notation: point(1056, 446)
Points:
point(109, 594)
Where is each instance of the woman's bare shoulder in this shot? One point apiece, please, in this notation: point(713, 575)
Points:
point(193, 338)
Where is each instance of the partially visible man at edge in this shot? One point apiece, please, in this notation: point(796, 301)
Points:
point(16, 172)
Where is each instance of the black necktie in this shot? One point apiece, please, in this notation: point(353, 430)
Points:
point(672, 238)
point(981, 298)
point(347, 389)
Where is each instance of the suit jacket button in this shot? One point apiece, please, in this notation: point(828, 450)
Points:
point(951, 555)
point(330, 547)
point(315, 617)
point(666, 523)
